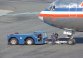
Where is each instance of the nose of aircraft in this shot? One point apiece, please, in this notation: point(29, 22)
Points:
point(41, 17)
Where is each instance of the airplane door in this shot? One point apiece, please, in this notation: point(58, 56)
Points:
point(79, 15)
point(72, 12)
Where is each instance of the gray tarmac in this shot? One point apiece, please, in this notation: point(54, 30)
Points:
point(23, 20)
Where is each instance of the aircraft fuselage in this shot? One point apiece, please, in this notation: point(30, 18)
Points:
point(64, 17)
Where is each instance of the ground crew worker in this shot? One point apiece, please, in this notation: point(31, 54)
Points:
point(39, 37)
point(54, 37)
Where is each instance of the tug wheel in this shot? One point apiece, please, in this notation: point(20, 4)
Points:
point(13, 41)
point(29, 41)
point(71, 41)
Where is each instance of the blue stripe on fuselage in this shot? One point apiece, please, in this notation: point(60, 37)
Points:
point(66, 9)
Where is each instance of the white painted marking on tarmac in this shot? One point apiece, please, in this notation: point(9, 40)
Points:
point(4, 12)
point(27, 13)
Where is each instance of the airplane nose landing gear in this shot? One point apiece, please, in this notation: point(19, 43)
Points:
point(71, 40)
point(70, 33)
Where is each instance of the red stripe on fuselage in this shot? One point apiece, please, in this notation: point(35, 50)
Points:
point(62, 15)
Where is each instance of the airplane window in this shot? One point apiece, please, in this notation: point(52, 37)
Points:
point(73, 5)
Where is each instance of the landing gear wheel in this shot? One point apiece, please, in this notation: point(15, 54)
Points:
point(71, 41)
point(13, 41)
point(29, 41)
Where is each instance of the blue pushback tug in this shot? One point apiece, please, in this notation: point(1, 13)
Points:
point(37, 37)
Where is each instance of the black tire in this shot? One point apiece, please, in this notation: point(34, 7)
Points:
point(71, 41)
point(29, 41)
point(13, 41)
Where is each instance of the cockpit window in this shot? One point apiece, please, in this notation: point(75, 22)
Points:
point(65, 4)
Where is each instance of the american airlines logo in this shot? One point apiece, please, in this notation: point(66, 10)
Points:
point(81, 4)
